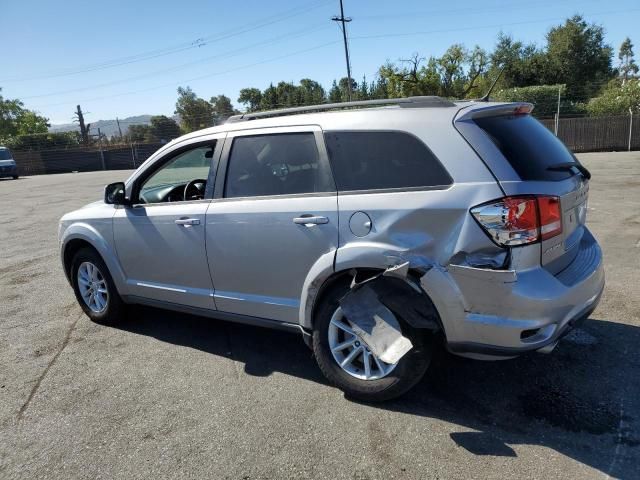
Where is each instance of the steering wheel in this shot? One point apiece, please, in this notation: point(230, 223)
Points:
point(194, 190)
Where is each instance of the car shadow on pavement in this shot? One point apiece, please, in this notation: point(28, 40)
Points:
point(262, 351)
point(582, 400)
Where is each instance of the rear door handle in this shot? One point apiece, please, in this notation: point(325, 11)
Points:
point(188, 221)
point(310, 220)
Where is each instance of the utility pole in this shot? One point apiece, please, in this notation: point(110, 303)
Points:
point(84, 133)
point(104, 166)
point(630, 128)
point(119, 129)
point(343, 21)
point(558, 111)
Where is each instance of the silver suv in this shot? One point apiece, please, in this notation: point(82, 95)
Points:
point(375, 229)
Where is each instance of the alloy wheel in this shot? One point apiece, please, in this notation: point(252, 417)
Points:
point(352, 354)
point(93, 287)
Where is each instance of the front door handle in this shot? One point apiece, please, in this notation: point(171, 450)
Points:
point(188, 221)
point(310, 220)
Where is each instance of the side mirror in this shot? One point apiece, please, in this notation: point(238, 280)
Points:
point(114, 194)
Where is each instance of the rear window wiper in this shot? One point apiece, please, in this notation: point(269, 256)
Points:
point(568, 165)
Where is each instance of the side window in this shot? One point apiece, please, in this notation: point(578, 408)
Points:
point(278, 164)
point(379, 160)
point(167, 184)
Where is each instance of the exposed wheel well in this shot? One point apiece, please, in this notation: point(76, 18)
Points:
point(345, 276)
point(73, 247)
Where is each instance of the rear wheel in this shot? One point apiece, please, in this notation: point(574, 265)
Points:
point(348, 363)
point(15, 177)
point(94, 288)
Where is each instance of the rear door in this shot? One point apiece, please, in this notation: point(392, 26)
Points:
point(528, 159)
point(274, 214)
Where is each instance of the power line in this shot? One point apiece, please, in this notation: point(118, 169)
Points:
point(229, 54)
point(500, 8)
point(197, 43)
point(479, 27)
point(193, 79)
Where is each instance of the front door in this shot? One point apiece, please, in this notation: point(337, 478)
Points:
point(274, 214)
point(160, 240)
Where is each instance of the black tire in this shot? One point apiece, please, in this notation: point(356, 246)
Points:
point(15, 177)
point(115, 311)
point(404, 376)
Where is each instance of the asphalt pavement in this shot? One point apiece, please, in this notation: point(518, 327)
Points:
point(175, 396)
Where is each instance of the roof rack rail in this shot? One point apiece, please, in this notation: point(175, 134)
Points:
point(409, 102)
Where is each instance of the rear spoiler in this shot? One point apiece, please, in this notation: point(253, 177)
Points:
point(481, 109)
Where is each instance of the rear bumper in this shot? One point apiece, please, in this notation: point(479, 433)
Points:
point(506, 313)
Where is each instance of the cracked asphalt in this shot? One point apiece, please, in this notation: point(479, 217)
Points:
point(175, 396)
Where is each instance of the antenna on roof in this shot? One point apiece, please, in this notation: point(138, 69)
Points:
point(485, 98)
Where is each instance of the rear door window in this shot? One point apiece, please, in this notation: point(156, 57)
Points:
point(528, 146)
point(382, 160)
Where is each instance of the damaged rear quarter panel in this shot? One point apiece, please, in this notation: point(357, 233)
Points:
point(425, 228)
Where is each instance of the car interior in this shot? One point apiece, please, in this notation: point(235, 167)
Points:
point(273, 165)
point(183, 178)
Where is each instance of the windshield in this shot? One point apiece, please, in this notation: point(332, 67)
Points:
point(5, 154)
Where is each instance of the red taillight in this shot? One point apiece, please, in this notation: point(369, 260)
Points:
point(550, 218)
point(514, 221)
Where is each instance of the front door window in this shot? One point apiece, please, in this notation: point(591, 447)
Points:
point(183, 178)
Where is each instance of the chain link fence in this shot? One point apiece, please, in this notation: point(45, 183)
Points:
point(83, 159)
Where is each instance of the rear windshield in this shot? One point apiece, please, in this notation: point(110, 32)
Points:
point(5, 154)
point(528, 146)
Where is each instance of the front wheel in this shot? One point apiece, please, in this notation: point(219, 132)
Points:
point(348, 363)
point(94, 288)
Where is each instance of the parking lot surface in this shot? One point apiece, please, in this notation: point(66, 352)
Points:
point(171, 396)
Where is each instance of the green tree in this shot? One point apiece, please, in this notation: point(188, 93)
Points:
point(478, 61)
point(578, 57)
point(378, 89)
point(409, 79)
point(335, 94)
point(617, 99)
point(286, 95)
point(311, 92)
point(17, 120)
point(250, 98)
point(141, 133)
point(43, 141)
point(521, 65)
point(628, 67)
point(164, 128)
point(30, 122)
point(222, 109)
point(344, 88)
point(451, 69)
point(269, 99)
point(363, 90)
point(195, 112)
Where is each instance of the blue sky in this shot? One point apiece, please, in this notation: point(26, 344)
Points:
point(53, 54)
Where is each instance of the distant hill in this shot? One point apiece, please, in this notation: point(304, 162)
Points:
point(107, 127)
